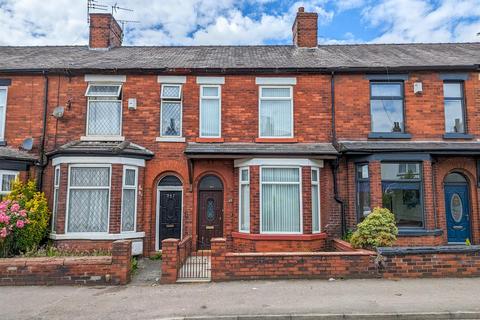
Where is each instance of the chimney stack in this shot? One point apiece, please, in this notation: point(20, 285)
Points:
point(305, 29)
point(105, 32)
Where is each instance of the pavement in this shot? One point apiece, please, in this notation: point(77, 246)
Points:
point(289, 299)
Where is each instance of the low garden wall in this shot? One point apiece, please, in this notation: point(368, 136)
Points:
point(174, 254)
point(84, 270)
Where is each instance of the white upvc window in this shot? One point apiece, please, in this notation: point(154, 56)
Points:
point(56, 188)
point(244, 203)
point(210, 111)
point(315, 200)
point(88, 198)
point(3, 111)
point(104, 110)
point(276, 112)
point(171, 110)
point(280, 200)
point(129, 199)
point(6, 181)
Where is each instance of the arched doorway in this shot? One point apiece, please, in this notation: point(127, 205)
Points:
point(210, 210)
point(170, 195)
point(457, 208)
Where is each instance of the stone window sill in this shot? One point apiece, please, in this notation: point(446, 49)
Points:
point(97, 236)
point(389, 135)
point(464, 136)
point(170, 139)
point(419, 232)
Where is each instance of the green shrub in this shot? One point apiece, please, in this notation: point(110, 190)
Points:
point(377, 230)
point(26, 194)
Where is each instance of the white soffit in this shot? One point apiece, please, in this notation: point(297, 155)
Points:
point(172, 79)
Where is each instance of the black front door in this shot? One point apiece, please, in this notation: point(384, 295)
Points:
point(170, 220)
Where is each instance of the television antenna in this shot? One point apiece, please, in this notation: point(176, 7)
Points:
point(124, 22)
point(93, 5)
point(116, 7)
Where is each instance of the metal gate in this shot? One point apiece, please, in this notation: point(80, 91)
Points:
point(196, 266)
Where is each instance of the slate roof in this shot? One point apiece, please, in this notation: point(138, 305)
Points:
point(434, 147)
point(8, 153)
point(235, 150)
point(99, 148)
point(348, 57)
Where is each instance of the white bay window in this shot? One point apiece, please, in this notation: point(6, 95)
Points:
point(104, 112)
point(56, 189)
point(276, 112)
point(7, 177)
point(210, 111)
point(315, 200)
point(129, 199)
point(3, 111)
point(244, 223)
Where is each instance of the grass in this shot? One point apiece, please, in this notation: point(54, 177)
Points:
point(156, 256)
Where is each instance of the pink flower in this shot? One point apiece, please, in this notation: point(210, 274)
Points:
point(20, 224)
point(15, 207)
point(3, 206)
point(23, 213)
point(3, 232)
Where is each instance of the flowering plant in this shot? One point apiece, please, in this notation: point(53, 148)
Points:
point(13, 218)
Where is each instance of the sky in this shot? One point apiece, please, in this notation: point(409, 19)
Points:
point(243, 22)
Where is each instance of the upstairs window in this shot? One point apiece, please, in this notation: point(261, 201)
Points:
point(171, 110)
point(210, 111)
point(3, 111)
point(276, 112)
point(386, 105)
point(104, 114)
point(454, 107)
point(6, 181)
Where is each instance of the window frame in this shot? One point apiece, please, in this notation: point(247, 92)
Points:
point(316, 183)
point(178, 100)
point(240, 184)
point(104, 98)
point(360, 215)
point(260, 98)
point(56, 191)
point(401, 97)
point(67, 211)
point(219, 98)
point(127, 187)
point(107, 84)
point(416, 180)
point(299, 168)
point(463, 104)
point(7, 172)
point(3, 114)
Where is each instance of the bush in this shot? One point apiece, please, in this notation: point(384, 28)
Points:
point(13, 220)
point(35, 203)
point(377, 230)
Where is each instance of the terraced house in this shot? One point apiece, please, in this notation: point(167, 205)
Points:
point(275, 148)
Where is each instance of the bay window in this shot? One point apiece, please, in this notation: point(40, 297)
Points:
point(3, 111)
point(104, 111)
point(88, 198)
point(276, 112)
point(7, 178)
point(129, 199)
point(315, 200)
point(454, 107)
point(363, 191)
point(210, 111)
point(171, 110)
point(402, 192)
point(244, 203)
point(56, 188)
point(386, 105)
point(280, 204)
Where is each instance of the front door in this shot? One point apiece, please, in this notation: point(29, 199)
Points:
point(170, 219)
point(210, 217)
point(458, 212)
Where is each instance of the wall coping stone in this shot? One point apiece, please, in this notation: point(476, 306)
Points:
point(385, 251)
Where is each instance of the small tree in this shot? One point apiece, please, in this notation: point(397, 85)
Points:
point(377, 230)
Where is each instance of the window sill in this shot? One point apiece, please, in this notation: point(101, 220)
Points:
point(389, 135)
point(170, 139)
point(464, 136)
point(419, 232)
point(276, 140)
point(210, 140)
point(97, 236)
point(102, 138)
point(277, 237)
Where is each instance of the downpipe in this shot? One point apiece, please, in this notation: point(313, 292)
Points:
point(42, 160)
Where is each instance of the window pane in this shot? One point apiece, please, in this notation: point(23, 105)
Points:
point(387, 115)
point(314, 175)
point(130, 178)
point(400, 171)
point(210, 118)
point(7, 181)
point(57, 176)
point(363, 199)
point(315, 209)
point(386, 90)
point(245, 207)
point(55, 208)
point(210, 91)
point(244, 175)
point(88, 211)
point(276, 92)
point(171, 92)
point(454, 116)
point(2, 121)
point(275, 118)
point(280, 208)
point(104, 118)
point(128, 210)
point(362, 171)
point(171, 119)
point(403, 199)
point(3, 97)
point(452, 90)
point(89, 177)
point(103, 90)
point(280, 175)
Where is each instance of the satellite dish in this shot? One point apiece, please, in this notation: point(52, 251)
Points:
point(58, 112)
point(27, 144)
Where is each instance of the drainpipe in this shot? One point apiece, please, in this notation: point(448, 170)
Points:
point(42, 163)
point(335, 166)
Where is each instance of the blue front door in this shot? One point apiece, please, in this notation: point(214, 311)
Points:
point(458, 212)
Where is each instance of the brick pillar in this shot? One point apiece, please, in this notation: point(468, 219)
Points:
point(428, 195)
point(121, 260)
point(169, 261)
point(219, 249)
point(374, 171)
point(307, 199)
point(254, 199)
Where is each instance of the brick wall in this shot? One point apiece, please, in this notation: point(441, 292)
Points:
point(174, 255)
point(89, 270)
point(243, 242)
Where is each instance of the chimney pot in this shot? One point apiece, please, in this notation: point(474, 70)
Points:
point(305, 29)
point(105, 32)
point(301, 9)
